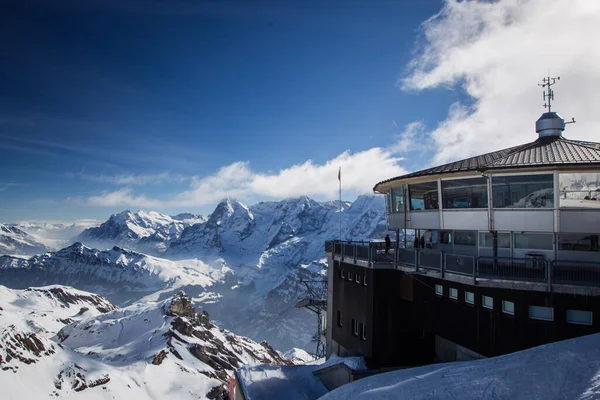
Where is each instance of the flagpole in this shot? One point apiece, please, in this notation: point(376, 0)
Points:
point(340, 213)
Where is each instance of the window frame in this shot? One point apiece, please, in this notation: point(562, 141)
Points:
point(483, 303)
point(441, 291)
point(538, 318)
point(574, 322)
point(472, 300)
point(506, 310)
point(455, 296)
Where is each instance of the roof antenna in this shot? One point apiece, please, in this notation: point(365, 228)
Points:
point(548, 92)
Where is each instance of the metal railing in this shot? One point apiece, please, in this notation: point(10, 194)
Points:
point(575, 272)
point(535, 270)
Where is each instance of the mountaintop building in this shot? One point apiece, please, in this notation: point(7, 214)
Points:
point(494, 253)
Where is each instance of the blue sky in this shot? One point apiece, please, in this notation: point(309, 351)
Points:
point(108, 105)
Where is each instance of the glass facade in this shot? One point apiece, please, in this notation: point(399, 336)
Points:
point(541, 241)
point(578, 242)
point(465, 238)
point(465, 193)
point(424, 196)
point(486, 239)
point(523, 191)
point(398, 199)
point(579, 190)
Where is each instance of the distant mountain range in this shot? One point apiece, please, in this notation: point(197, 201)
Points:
point(244, 265)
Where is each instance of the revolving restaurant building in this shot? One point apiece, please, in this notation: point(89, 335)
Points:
point(506, 256)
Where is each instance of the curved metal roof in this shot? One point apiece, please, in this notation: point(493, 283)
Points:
point(545, 151)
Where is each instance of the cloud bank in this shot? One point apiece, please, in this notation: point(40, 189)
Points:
point(359, 172)
point(497, 52)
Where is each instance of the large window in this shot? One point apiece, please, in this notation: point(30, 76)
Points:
point(423, 196)
point(465, 238)
point(523, 191)
point(541, 241)
point(486, 239)
point(398, 199)
point(578, 242)
point(465, 193)
point(580, 190)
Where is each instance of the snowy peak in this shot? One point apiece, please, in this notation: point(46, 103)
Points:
point(16, 241)
point(147, 231)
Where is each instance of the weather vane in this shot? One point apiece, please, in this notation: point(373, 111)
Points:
point(548, 92)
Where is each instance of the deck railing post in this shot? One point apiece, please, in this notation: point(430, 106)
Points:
point(444, 262)
point(342, 245)
point(473, 270)
point(549, 274)
point(416, 260)
point(355, 253)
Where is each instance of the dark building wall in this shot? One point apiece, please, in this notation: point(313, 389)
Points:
point(492, 332)
point(355, 301)
point(399, 322)
point(403, 314)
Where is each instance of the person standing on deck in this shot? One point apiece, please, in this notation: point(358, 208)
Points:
point(388, 243)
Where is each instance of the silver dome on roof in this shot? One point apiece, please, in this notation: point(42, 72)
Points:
point(550, 124)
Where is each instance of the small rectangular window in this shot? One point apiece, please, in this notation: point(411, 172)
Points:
point(354, 327)
point(363, 332)
point(365, 280)
point(350, 276)
point(579, 317)
point(454, 293)
point(488, 302)
point(541, 313)
point(357, 279)
point(470, 297)
point(508, 307)
point(439, 290)
point(342, 273)
point(340, 318)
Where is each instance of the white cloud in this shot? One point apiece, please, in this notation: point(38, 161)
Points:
point(413, 138)
point(497, 52)
point(360, 171)
point(133, 179)
point(123, 198)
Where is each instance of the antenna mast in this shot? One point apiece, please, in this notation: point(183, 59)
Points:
point(548, 92)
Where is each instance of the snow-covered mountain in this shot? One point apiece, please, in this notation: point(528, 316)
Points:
point(245, 265)
point(257, 233)
point(78, 342)
point(150, 232)
point(55, 235)
point(120, 274)
point(16, 241)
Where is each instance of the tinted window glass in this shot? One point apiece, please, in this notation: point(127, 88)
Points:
point(465, 238)
point(578, 242)
point(423, 196)
point(580, 190)
point(541, 241)
point(523, 191)
point(397, 199)
point(465, 193)
point(486, 239)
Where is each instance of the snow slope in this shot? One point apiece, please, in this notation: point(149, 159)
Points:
point(563, 370)
point(243, 264)
point(159, 350)
point(119, 274)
